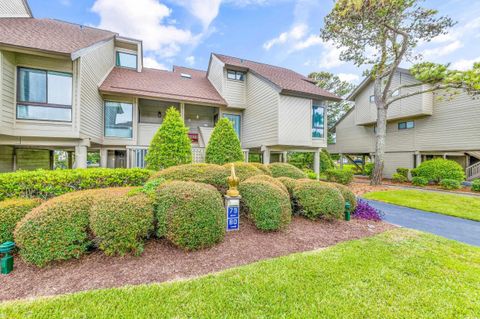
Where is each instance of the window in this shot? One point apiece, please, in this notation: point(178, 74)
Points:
point(406, 125)
point(44, 95)
point(235, 75)
point(126, 60)
point(235, 119)
point(118, 119)
point(318, 121)
point(372, 98)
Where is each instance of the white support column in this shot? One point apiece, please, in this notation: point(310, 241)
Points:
point(80, 157)
point(285, 157)
point(341, 161)
point(266, 154)
point(316, 162)
point(419, 159)
point(182, 110)
point(103, 157)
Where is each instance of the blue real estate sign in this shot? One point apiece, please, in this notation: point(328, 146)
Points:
point(233, 214)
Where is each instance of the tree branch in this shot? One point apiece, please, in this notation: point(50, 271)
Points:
point(437, 87)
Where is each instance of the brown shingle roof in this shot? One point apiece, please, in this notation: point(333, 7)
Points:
point(290, 82)
point(49, 35)
point(163, 85)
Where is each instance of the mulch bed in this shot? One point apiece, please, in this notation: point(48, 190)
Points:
point(162, 262)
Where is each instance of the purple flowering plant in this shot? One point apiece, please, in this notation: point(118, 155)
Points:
point(365, 211)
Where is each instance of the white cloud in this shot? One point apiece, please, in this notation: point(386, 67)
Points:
point(204, 10)
point(312, 40)
point(442, 50)
point(143, 19)
point(296, 33)
point(66, 3)
point(190, 60)
point(329, 57)
point(150, 62)
point(464, 64)
point(349, 77)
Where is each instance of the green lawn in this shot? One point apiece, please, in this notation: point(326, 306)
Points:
point(447, 204)
point(398, 274)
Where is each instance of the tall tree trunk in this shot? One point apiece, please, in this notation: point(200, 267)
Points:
point(380, 144)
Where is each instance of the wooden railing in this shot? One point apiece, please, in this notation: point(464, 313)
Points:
point(473, 171)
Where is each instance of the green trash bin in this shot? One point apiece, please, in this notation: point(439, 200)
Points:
point(7, 260)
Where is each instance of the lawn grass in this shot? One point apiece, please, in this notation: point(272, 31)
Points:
point(397, 274)
point(467, 207)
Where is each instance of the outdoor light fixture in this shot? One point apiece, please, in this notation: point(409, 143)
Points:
point(347, 210)
point(7, 260)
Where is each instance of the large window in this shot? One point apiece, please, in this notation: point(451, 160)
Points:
point(44, 95)
point(235, 119)
point(126, 60)
point(235, 75)
point(118, 119)
point(318, 121)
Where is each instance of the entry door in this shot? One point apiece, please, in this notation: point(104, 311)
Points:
point(235, 119)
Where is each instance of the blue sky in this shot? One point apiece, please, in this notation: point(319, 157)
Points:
point(280, 32)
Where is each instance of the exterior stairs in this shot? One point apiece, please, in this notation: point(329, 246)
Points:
point(473, 171)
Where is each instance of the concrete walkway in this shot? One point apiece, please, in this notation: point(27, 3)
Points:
point(464, 230)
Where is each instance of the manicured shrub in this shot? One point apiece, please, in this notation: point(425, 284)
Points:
point(286, 170)
point(316, 200)
point(267, 204)
point(121, 223)
point(450, 184)
point(344, 177)
point(289, 183)
point(311, 175)
point(244, 170)
point(399, 178)
point(403, 171)
point(224, 145)
point(347, 194)
point(170, 145)
point(269, 179)
point(368, 170)
point(420, 181)
point(326, 161)
point(46, 184)
point(476, 185)
point(11, 212)
point(212, 174)
point(365, 211)
point(57, 229)
point(438, 169)
point(264, 168)
point(190, 215)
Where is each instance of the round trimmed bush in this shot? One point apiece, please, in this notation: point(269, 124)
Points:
point(190, 215)
point(212, 174)
point(289, 183)
point(269, 179)
point(286, 170)
point(267, 204)
point(11, 212)
point(264, 168)
point(438, 169)
point(342, 176)
point(450, 184)
point(317, 200)
point(348, 195)
point(399, 178)
point(120, 223)
point(244, 170)
point(57, 229)
point(476, 185)
point(419, 181)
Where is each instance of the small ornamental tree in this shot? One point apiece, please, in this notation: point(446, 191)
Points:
point(170, 146)
point(224, 145)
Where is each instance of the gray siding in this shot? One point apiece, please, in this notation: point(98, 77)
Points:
point(260, 118)
point(94, 67)
point(396, 160)
point(13, 9)
point(7, 109)
point(215, 74)
point(234, 92)
point(351, 138)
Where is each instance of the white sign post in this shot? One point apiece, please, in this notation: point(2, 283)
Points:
point(233, 212)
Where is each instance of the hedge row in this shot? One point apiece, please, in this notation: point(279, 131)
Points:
point(65, 227)
point(11, 212)
point(46, 184)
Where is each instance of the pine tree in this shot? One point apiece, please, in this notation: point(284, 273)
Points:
point(224, 145)
point(170, 145)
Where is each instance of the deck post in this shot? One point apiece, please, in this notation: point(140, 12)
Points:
point(316, 162)
point(266, 154)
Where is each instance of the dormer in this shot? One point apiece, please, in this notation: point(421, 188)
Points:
point(128, 53)
point(15, 9)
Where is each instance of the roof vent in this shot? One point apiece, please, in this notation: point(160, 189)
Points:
point(185, 75)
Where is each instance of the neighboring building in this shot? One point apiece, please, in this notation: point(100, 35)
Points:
point(80, 89)
point(419, 128)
